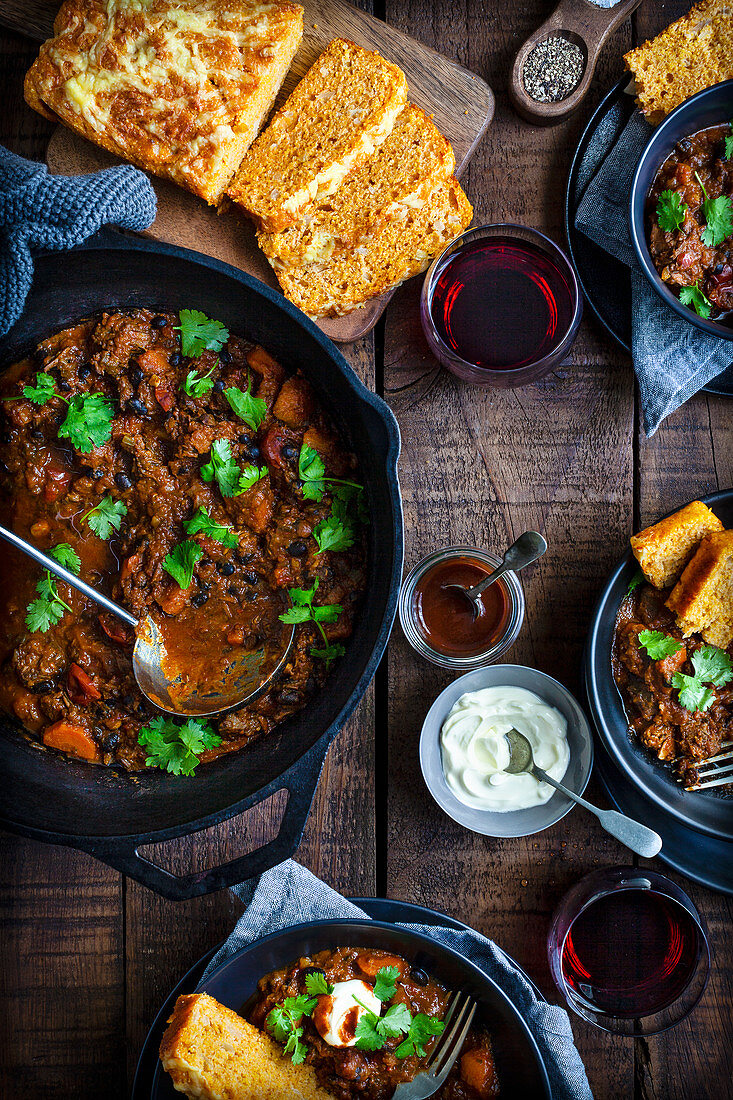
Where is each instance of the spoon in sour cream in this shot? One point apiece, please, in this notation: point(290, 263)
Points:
point(645, 842)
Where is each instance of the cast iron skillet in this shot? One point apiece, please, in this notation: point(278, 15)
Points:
point(52, 798)
point(707, 813)
point(519, 1064)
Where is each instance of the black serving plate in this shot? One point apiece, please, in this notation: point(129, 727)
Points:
point(604, 280)
point(698, 812)
point(231, 983)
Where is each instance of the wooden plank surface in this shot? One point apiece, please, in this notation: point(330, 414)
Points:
point(564, 456)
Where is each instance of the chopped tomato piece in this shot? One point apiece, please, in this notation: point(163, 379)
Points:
point(56, 483)
point(81, 688)
point(164, 395)
point(114, 629)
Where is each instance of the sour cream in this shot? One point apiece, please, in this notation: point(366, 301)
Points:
point(476, 753)
point(337, 1014)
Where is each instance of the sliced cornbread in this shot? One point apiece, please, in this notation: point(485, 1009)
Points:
point(211, 1052)
point(703, 598)
point(342, 110)
point(399, 248)
point(179, 87)
point(664, 549)
point(400, 176)
point(693, 53)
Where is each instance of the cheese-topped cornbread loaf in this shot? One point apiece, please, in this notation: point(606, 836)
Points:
point(664, 549)
point(381, 260)
point(399, 178)
point(211, 1052)
point(703, 598)
point(342, 110)
point(693, 53)
point(179, 87)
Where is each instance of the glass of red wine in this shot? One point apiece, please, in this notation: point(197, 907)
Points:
point(501, 306)
point(628, 951)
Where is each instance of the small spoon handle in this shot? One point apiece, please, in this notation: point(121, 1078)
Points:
point(56, 568)
point(645, 842)
point(528, 548)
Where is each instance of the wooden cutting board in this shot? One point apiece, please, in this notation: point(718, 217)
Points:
point(461, 103)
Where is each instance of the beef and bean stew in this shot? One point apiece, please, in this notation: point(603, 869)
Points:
point(182, 471)
point(366, 1022)
point(690, 215)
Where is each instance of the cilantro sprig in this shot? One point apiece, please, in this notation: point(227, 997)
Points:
point(284, 1024)
point(712, 668)
point(312, 473)
point(177, 748)
point(693, 296)
point(659, 645)
point(252, 410)
point(372, 1031)
point(198, 385)
point(671, 211)
point(232, 479)
point(202, 522)
point(181, 561)
point(200, 333)
point(88, 421)
point(423, 1028)
point(303, 611)
point(249, 476)
point(105, 517)
point(49, 608)
point(718, 216)
point(385, 983)
point(637, 579)
point(317, 984)
point(333, 534)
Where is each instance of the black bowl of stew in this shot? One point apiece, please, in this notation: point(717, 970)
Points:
point(688, 149)
point(520, 1071)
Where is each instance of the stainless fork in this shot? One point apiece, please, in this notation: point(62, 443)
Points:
point(716, 771)
point(443, 1056)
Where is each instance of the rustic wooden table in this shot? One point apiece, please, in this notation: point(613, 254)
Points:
point(87, 956)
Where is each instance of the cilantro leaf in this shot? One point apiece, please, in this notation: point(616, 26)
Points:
point(282, 1022)
point(671, 211)
point(43, 391)
point(385, 983)
point(43, 614)
point(333, 534)
point(88, 422)
point(222, 467)
point(729, 145)
point(328, 613)
point(296, 615)
point(278, 1023)
point(311, 472)
point(197, 385)
point(317, 984)
point(694, 695)
point(693, 296)
point(637, 579)
point(367, 1036)
point(203, 522)
point(659, 645)
point(105, 517)
point(252, 410)
point(199, 333)
point(249, 476)
point(422, 1029)
point(49, 608)
point(712, 666)
point(302, 1005)
point(328, 653)
point(181, 561)
point(66, 555)
point(303, 610)
point(396, 1021)
point(177, 748)
point(718, 216)
point(295, 1048)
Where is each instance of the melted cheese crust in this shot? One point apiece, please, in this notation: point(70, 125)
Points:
point(180, 87)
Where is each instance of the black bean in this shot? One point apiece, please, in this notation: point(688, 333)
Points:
point(252, 453)
point(418, 976)
point(112, 739)
point(199, 599)
point(289, 698)
point(136, 374)
point(134, 405)
point(226, 568)
point(203, 586)
point(64, 386)
point(290, 452)
point(176, 359)
point(225, 355)
point(122, 481)
point(44, 687)
point(159, 321)
point(218, 386)
point(297, 549)
point(250, 577)
point(128, 701)
point(37, 435)
point(313, 970)
point(83, 372)
point(97, 473)
point(245, 437)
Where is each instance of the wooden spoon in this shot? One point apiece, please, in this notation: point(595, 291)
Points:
point(583, 23)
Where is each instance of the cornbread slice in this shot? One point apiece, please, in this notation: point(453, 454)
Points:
point(211, 1052)
point(693, 53)
point(400, 176)
point(342, 110)
point(179, 87)
point(398, 249)
point(703, 598)
point(664, 549)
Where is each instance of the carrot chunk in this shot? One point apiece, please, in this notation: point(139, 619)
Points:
point(72, 739)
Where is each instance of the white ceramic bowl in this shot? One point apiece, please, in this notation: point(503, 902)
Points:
point(514, 823)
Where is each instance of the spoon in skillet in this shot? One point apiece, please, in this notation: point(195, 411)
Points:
point(528, 548)
point(645, 842)
point(245, 676)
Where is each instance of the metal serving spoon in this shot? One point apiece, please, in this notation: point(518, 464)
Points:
point(528, 548)
point(246, 676)
point(645, 842)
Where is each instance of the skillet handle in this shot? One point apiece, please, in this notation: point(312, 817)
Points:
point(300, 780)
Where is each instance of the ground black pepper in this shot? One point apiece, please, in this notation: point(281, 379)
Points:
point(553, 69)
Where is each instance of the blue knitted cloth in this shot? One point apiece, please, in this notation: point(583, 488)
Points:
point(38, 210)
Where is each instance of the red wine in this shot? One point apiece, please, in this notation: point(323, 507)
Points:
point(631, 953)
point(501, 304)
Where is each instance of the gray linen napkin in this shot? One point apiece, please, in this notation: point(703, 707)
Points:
point(289, 894)
point(38, 210)
point(672, 359)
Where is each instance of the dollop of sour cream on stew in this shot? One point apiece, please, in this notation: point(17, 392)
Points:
point(337, 1014)
point(476, 753)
